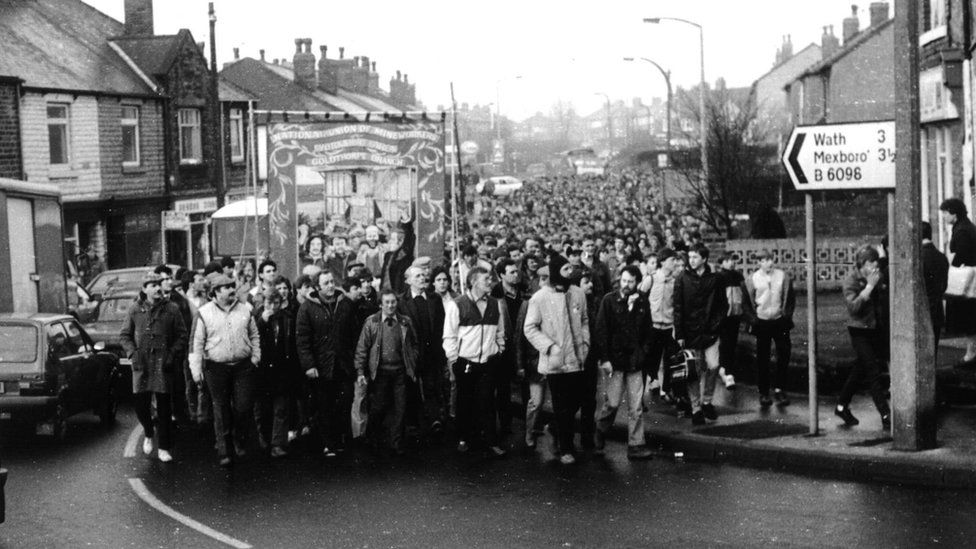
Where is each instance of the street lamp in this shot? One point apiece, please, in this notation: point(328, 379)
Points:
point(609, 126)
point(701, 87)
point(667, 124)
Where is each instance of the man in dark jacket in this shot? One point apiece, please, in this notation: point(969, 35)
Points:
point(386, 355)
point(935, 269)
point(180, 405)
point(507, 292)
point(318, 329)
point(728, 337)
point(621, 343)
point(154, 338)
point(700, 306)
point(277, 374)
point(426, 312)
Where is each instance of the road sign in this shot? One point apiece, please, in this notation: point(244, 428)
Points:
point(469, 147)
point(842, 156)
point(196, 205)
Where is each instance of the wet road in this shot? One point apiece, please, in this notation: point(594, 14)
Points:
point(80, 495)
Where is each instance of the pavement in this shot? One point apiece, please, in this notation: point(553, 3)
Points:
point(779, 437)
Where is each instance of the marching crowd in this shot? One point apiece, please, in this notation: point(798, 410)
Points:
point(431, 348)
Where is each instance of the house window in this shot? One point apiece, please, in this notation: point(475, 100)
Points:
point(937, 14)
point(57, 133)
point(130, 135)
point(190, 148)
point(236, 135)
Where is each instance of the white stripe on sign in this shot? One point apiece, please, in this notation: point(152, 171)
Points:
point(153, 501)
point(130, 445)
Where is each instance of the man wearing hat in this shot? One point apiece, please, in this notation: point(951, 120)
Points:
point(226, 352)
point(154, 338)
point(426, 311)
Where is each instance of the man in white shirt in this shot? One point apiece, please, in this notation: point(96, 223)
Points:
point(770, 314)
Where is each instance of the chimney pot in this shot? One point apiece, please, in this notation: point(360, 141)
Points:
point(406, 78)
point(342, 52)
point(298, 45)
point(237, 53)
point(323, 50)
point(262, 54)
point(275, 61)
point(399, 78)
point(373, 68)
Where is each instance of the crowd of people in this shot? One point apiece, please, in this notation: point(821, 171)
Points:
point(428, 348)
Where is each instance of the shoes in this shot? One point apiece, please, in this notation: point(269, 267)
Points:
point(844, 412)
point(292, 435)
point(886, 422)
point(635, 453)
point(262, 442)
point(240, 452)
point(278, 452)
point(306, 430)
point(600, 441)
point(224, 461)
point(709, 412)
point(567, 459)
point(684, 408)
point(147, 445)
point(781, 398)
point(765, 401)
point(698, 418)
point(328, 453)
point(437, 427)
point(164, 456)
point(729, 382)
point(496, 452)
point(462, 446)
point(530, 443)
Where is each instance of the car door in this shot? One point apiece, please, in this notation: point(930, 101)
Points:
point(82, 365)
point(59, 369)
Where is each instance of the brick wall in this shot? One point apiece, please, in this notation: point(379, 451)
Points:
point(11, 164)
point(187, 84)
point(861, 88)
point(80, 179)
point(146, 179)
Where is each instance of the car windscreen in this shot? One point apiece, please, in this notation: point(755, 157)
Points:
point(108, 282)
point(18, 344)
point(114, 310)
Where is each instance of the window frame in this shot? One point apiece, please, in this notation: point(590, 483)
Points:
point(65, 125)
point(135, 123)
point(197, 137)
point(236, 123)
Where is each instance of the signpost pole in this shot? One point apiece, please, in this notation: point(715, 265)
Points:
point(912, 341)
point(811, 250)
point(162, 234)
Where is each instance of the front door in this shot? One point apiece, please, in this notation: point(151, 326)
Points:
point(23, 263)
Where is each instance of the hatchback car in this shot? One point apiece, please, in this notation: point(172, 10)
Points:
point(50, 370)
point(104, 324)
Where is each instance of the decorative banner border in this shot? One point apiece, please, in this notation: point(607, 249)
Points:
point(342, 145)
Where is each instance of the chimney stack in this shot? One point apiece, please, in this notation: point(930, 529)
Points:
point(879, 13)
point(262, 54)
point(787, 48)
point(201, 46)
point(851, 25)
point(373, 80)
point(139, 18)
point(828, 42)
point(303, 63)
point(342, 52)
point(237, 53)
point(328, 79)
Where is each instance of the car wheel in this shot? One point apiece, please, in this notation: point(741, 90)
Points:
point(108, 409)
point(60, 431)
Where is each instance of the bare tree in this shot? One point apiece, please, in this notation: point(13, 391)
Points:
point(740, 164)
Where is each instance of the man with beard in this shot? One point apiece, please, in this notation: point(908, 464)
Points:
point(621, 343)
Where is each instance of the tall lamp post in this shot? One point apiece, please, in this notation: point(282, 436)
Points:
point(609, 126)
point(667, 124)
point(701, 87)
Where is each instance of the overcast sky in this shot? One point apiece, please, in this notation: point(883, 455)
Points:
point(566, 50)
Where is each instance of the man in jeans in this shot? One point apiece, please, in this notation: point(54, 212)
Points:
point(226, 351)
point(770, 313)
point(621, 344)
point(700, 306)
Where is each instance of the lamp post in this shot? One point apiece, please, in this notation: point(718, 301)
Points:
point(609, 126)
point(701, 87)
point(667, 124)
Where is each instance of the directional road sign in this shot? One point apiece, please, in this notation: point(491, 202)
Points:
point(842, 156)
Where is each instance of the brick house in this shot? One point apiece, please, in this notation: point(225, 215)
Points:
point(11, 164)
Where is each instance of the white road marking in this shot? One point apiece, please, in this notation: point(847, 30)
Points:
point(153, 501)
point(132, 442)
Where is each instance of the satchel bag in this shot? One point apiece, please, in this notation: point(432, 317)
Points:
point(961, 282)
point(683, 365)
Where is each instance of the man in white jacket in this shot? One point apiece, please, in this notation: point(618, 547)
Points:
point(557, 325)
point(770, 313)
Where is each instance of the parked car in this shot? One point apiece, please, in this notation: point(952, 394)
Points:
point(104, 324)
point(502, 185)
point(51, 369)
point(107, 283)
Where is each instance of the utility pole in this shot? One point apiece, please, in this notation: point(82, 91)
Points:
point(216, 126)
point(912, 341)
